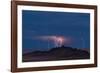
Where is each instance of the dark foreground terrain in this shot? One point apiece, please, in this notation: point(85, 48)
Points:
point(58, 53)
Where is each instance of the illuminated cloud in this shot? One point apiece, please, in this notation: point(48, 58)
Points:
point(57, 40)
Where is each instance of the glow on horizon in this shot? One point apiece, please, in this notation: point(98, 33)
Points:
point(57, 40)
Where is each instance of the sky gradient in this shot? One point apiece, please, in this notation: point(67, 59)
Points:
point(41, 30)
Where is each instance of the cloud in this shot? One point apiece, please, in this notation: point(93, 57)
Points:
point(57, 40)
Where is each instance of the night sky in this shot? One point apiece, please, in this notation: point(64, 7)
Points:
point(39, 27)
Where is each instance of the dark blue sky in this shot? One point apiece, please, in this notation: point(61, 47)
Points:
point(35, 24)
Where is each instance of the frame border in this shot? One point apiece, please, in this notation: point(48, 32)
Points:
point(14, 35)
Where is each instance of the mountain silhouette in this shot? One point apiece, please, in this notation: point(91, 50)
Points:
point(57, 53)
